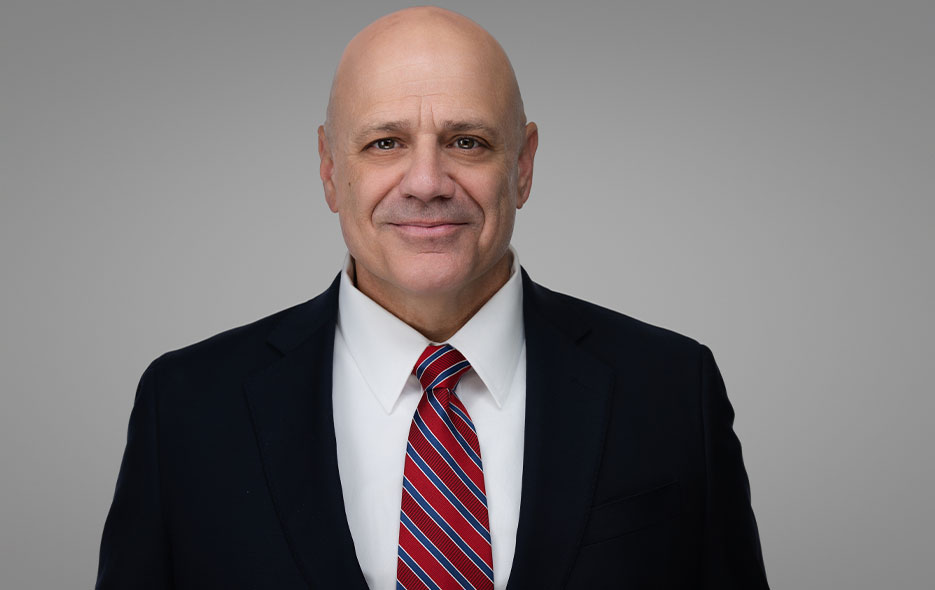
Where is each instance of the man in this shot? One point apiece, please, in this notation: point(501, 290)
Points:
point(434, 419)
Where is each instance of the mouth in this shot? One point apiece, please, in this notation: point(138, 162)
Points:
point(428, 229)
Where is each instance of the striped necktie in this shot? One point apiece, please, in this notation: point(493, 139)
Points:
point(444, 534)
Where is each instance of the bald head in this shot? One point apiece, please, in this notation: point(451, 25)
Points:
point(411, 46)
point(426, 157)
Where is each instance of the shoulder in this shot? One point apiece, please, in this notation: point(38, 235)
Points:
point(611, 335)
point(228, 356)
point(241, 350)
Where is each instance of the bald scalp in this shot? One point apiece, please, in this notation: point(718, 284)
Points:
point(421, 34)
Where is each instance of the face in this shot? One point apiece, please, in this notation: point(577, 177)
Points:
point(426, 164)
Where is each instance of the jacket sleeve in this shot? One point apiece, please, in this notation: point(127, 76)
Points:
point(134, 545)
point(733, 558)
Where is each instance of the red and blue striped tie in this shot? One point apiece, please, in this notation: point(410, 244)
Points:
point(444, 534)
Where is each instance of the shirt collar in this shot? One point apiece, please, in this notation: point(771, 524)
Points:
point(385, 348)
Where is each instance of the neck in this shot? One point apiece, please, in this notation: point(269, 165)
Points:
point(436, 316)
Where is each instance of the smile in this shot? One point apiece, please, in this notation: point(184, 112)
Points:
point(428, 230)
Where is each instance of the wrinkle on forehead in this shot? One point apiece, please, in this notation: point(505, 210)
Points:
point(413, 49)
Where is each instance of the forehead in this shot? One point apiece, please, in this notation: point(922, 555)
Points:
point(423, 86)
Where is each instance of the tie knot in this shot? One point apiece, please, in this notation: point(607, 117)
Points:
point(440, 367)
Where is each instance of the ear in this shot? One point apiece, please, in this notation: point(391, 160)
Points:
point(526, 156)
point(326, 169)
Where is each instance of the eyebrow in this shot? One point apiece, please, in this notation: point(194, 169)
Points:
point(459, 126)
point(471, 125)
point(382, 127)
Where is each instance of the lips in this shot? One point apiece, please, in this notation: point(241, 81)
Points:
point(428, 223)
point(428, 229)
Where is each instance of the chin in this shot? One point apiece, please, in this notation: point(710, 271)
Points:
point(432, 274)
point(432, 283)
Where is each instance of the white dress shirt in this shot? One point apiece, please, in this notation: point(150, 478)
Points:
point(375, 396)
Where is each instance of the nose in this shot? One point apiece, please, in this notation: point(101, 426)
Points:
point(426, 176)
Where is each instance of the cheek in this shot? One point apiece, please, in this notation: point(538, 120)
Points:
point(363, 190)
point(495, 192)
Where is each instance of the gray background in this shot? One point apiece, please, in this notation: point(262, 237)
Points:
point(756, 175)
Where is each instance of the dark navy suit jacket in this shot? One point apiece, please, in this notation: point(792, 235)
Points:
point(632, 474)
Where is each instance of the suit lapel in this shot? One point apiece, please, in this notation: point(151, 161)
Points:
point(290, 403)
point(567, 408)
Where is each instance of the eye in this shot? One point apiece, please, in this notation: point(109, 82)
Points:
point(467, 143)
point(384, 144)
